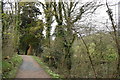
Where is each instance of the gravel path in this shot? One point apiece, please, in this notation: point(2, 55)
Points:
point(31, 69)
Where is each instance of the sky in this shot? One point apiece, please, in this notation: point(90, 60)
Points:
point(100, 14)
point(99, 17)
point(100, 11)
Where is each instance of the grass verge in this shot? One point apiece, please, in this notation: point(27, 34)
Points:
point(46, 68)
point(10, 66)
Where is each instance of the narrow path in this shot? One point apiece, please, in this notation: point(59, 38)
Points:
point(31, 69)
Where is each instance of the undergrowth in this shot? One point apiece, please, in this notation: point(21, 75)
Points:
point(46, 68)
point(10, 66)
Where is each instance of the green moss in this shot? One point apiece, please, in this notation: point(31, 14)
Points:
point(10, 67)
point(46, 68)
point(0, 68)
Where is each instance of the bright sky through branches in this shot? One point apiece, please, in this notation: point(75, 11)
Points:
point(99, 16)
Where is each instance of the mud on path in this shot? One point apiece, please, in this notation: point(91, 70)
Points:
point(30, 69)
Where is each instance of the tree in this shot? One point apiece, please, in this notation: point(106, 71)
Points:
point(9, 28)
point(67, 32)
point(115, 37)
point(48, 16)
point(30, 25)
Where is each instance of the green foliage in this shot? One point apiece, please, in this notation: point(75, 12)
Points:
point(29, 14)
point(31, 27)
point(47, 69)
point(9, 34)
point(66, 54)
point(52, 56)
point(10, 67)
point(102, 51)
point(27, 39)
point(7, 20)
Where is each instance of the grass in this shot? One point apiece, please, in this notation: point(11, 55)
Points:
point(10, 66)
point(46, 68)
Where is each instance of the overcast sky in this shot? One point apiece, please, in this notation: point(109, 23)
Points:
point(100, 14)
point(100, 11)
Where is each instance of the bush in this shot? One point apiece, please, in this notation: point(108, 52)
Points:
point(10, 66)
point(52, 57)
point(47, 69)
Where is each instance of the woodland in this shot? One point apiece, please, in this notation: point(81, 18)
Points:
point(63, 36)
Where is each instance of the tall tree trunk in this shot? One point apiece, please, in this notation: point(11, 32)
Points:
point(118, 66)
point(115, 37)
point(2, 11)
point(48, 16)
point(68, 62)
